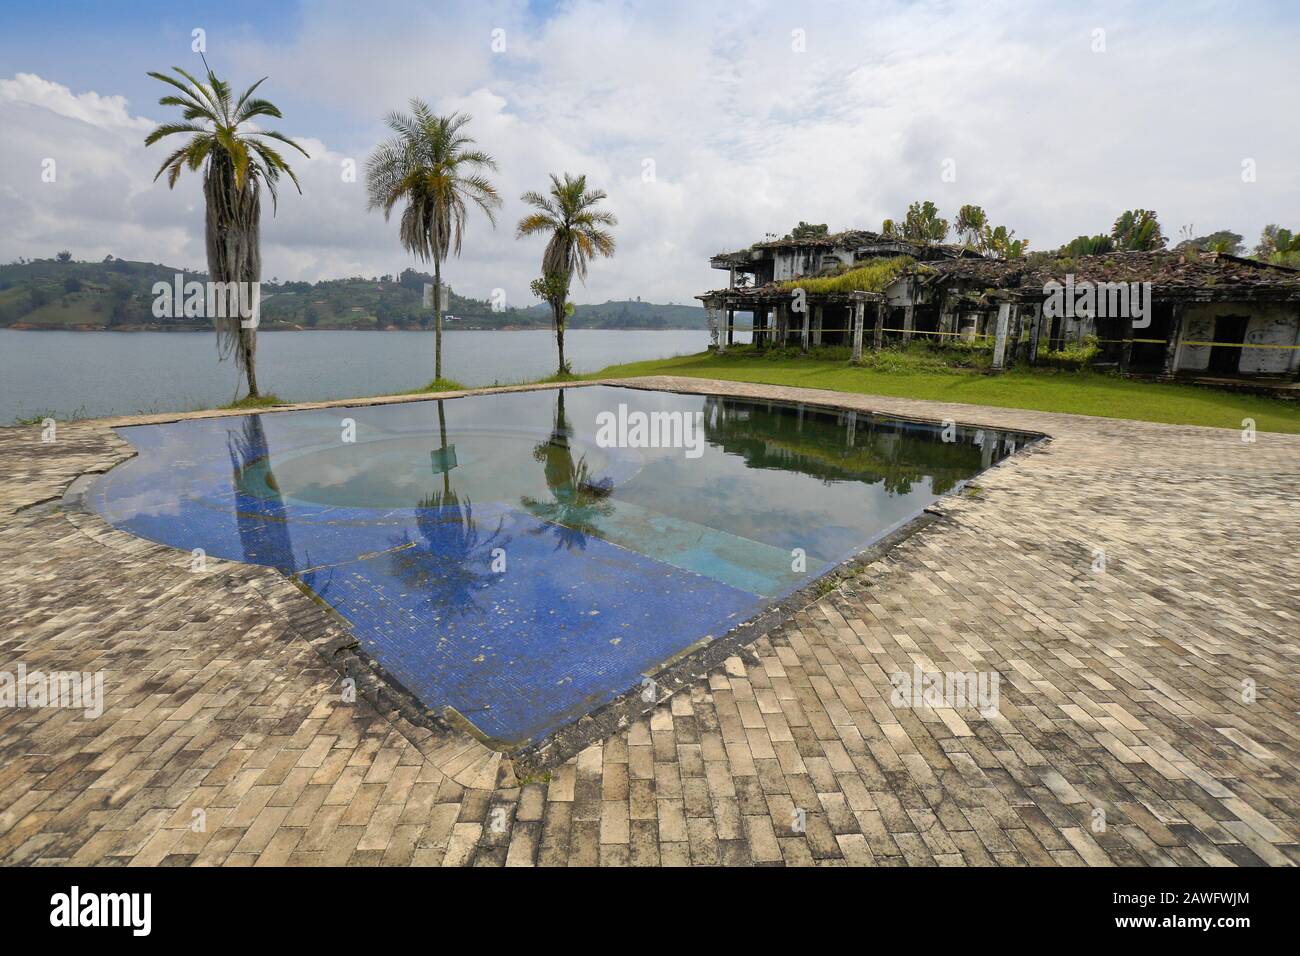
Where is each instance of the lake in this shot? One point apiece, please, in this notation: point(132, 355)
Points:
point(93, 374)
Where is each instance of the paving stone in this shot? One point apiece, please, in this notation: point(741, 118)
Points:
point(1120, 691)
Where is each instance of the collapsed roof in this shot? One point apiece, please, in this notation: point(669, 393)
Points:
point(862, 242)
point(1198, 277)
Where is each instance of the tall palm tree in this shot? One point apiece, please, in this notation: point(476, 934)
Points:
point(236, 163)
point(575, 225)
point(429, 164)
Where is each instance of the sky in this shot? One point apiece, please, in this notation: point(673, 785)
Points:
point(710, 125)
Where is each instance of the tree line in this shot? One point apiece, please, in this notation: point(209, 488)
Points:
point(1134, 230)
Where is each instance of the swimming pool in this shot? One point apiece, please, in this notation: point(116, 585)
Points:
point(524, 558)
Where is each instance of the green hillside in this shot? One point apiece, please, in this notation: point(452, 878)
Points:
point(117, 294)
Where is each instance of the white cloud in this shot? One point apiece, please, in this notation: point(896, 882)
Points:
point(106, 112)
point(746, 134)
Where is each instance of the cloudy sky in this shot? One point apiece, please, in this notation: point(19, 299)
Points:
point(709, 124)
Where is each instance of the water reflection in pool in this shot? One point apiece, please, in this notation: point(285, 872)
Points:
point(497, 560)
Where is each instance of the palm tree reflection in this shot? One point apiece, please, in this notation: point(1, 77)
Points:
point(452, 559)
point(260, 514)
point(576, 501)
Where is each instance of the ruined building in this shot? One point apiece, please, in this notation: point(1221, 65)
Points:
point(1170, 314)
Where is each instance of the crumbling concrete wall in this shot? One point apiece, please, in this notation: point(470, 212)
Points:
point(1270, 324)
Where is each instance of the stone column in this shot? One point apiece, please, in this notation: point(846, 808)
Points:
point(731, 327)
point(946, 317)
point(817, 325)
point(1035, 330)
point(1295, 353)
point(1126, 341)
point(805, 318)
point(1000, 340)
point(716, 337)
point(1174, 342)
point(859, 308)
point(909, 317)
point(1014, 328)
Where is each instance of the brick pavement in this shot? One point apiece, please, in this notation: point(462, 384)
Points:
point(1124, 693)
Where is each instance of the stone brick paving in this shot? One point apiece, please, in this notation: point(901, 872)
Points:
point(1126, 695)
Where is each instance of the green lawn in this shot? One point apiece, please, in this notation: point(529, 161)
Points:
point(1048, 390)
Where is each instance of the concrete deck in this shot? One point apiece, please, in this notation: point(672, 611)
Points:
point(1148, 713)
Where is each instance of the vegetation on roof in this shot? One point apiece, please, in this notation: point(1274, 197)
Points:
point(874, 276)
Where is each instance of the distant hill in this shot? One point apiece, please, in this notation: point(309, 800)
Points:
point(118, 294)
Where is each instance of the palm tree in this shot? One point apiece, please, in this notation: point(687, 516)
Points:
point(430, 166)
point(236, 163)
point(576, 236)
point(970, 225)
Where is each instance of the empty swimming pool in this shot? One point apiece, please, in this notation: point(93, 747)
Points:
point(524, 558)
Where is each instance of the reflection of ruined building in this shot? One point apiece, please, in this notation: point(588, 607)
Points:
point(1211, 314)
point(852, 446)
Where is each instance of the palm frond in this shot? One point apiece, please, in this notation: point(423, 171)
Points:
point(258, 108)
point(167, 129)
point(272, 134)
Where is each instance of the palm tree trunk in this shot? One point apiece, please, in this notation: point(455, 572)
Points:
point(559, 334)
point(232, 237)
point(250, 361)
point(437, 315)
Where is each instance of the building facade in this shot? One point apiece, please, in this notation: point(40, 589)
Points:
point(1165, 313)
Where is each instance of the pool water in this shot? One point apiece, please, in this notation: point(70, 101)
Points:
point(514, 558)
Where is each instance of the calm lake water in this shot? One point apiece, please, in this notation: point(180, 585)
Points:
point(92, 374)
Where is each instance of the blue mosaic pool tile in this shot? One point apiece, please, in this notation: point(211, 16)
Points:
point(520, 653)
